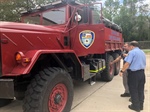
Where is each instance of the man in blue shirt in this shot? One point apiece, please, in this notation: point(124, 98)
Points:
point(135, 65)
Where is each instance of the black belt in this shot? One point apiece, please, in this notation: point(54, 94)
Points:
point(129, 70)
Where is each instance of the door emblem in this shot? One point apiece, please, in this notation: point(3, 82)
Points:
point(86, 38)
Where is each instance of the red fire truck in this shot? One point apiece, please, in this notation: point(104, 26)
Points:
point(54, 45)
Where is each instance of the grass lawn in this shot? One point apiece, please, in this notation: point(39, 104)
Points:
point(147, 51)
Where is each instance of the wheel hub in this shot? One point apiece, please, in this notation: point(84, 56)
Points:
point(57, 99)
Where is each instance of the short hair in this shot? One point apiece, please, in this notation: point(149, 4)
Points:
point(126, 43)
point(134, 43)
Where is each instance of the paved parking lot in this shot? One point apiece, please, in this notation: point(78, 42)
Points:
point(101, 97)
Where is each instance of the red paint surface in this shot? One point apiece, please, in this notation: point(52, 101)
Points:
point(34, 40)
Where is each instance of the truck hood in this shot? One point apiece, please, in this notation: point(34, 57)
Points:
point(31, 27)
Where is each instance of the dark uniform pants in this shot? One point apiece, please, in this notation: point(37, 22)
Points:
point(136, 81)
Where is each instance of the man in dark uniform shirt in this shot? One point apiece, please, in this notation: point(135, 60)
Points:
point(123, 54)
point(135, 63)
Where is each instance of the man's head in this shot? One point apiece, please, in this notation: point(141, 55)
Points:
point(133, 44)
point(126, 46)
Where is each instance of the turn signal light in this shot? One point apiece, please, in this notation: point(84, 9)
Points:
point(26, 60)
point(18, 57)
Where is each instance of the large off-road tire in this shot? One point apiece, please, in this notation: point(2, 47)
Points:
point(116, 65)
point(50, 91)
point(108, 73)
point(4, 102)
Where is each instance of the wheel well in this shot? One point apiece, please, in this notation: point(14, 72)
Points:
point(112, 52)
point(66, 61)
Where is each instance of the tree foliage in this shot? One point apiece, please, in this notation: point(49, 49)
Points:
point(132, 15)
point(10, 10)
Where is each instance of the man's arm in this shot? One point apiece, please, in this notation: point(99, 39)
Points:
point(125, 67)
point(116, 60)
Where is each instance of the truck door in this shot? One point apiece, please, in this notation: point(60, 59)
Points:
point(88, 36)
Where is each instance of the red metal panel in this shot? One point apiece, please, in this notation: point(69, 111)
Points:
point(113, 40)
point(30, 27)
point(24, 41)
point(111, 35)
point(37, 39)
point(112, 46)
point(97, 46)
point(34, 55)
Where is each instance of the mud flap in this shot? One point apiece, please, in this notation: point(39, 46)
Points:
point(6, 88)
point(86, 72)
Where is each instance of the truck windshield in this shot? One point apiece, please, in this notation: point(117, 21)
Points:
point(33, 19)
point(51, 17)
point(56, 16)
point(96, 13)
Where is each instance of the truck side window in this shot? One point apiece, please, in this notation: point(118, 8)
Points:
point(83, 15)
point(95, 17)
point(86, 14)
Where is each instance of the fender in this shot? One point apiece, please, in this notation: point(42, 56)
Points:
point(34, 55)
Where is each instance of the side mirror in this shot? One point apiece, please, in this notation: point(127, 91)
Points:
point(78, 17)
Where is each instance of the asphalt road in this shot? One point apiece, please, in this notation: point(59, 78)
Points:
point(100, 97)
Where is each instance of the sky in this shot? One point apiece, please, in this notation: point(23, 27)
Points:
point(146, 1)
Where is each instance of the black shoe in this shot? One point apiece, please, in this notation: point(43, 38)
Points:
point(125, 95)
point(133, 108)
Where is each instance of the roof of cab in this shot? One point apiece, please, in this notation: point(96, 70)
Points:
point(50, 6)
